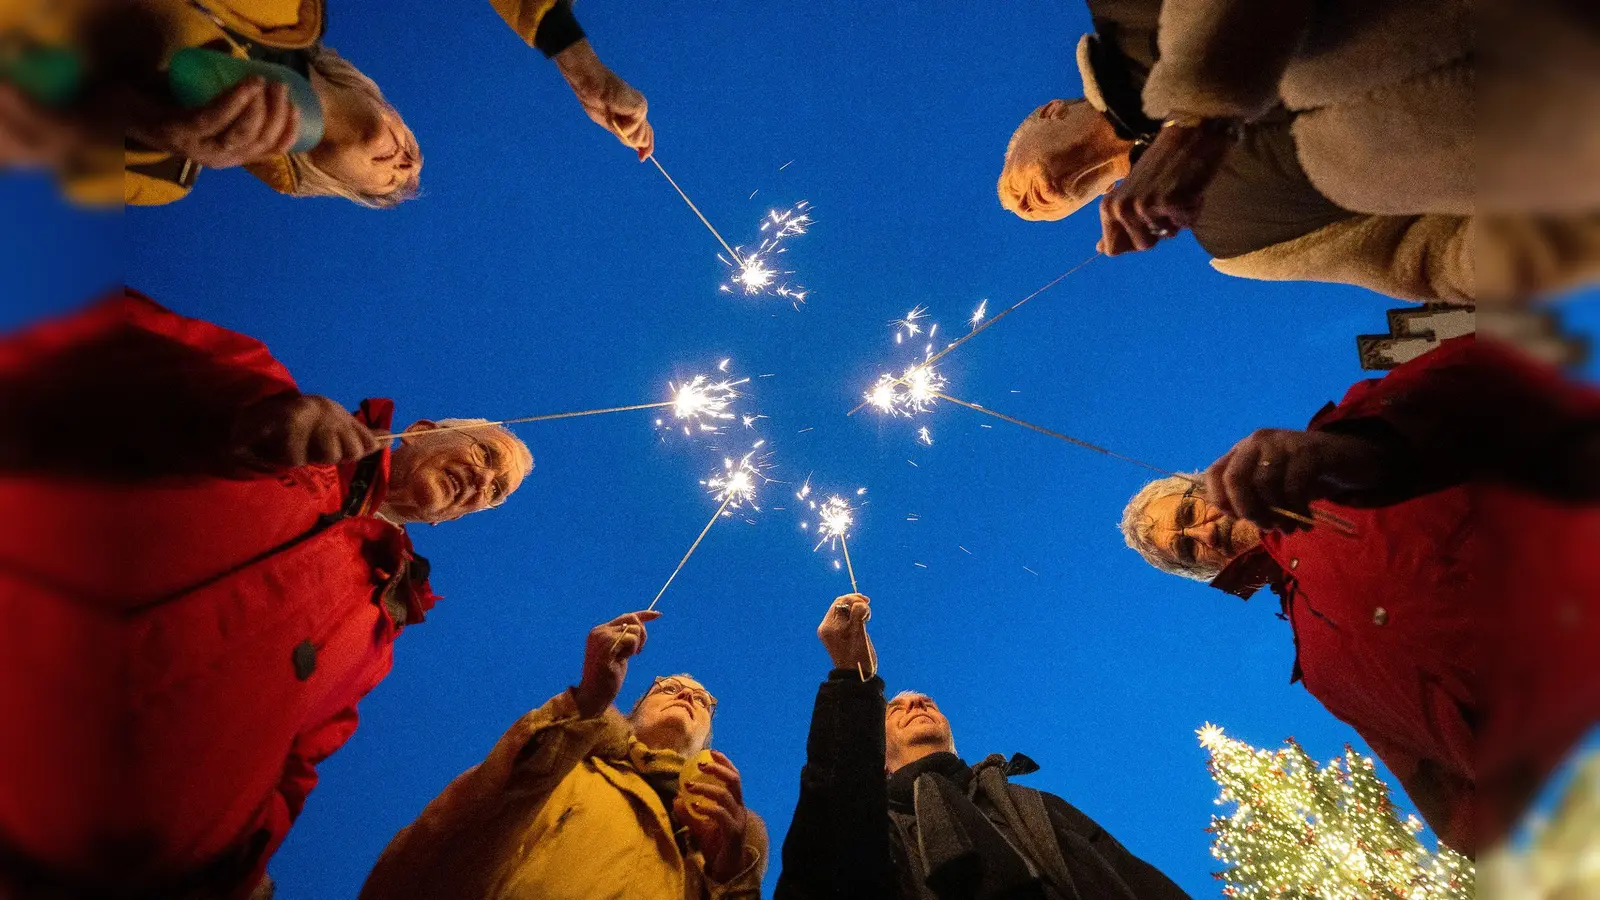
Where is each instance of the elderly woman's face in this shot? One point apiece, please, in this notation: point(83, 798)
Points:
point(383, 157)
point(1194, 534)
point(1063, 156)
point(443, 476)
point(675, 715)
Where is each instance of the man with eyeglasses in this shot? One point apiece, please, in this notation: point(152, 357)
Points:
point(888, 810)
point(1449, 615)
point(208, 570)
point(578, 802)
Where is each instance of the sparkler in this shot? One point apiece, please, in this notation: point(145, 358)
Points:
point(756, 273)
point(699, 403)
point(835, 518)
point(986, 324)
point(734, 486)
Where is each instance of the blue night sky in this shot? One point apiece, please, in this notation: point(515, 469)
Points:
point(544, 270)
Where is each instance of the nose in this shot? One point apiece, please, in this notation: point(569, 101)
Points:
point(1206, 533)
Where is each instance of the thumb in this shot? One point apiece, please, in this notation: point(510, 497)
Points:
point(860, 613)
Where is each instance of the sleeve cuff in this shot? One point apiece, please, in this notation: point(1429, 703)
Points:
point(558, 30)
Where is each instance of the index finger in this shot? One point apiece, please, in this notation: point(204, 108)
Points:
point(1216, 494)
point(636, 618)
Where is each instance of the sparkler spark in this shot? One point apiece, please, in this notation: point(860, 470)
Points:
point(835, 518)
point(910, 325)
point(755, 271)
point(736, 484)
point(911, 393)
point(701, 403)
point(924, 436)
point(977, 314)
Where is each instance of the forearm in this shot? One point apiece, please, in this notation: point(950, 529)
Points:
point(1483, 411)
point(839, 835)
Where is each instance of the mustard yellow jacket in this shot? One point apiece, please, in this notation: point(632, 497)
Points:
point(153, 178)
point(556, 812)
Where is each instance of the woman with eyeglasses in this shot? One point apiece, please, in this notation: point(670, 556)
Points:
point(578, 801)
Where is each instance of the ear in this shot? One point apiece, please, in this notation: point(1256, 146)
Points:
point(418, 425)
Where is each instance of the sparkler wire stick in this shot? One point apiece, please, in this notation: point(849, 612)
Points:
point(990, 321)
point(697, 212)
point(849, 568)
point(692, 547)
point(544, 418)
point(1317, 515)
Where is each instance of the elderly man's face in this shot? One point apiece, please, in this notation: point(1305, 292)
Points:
point(913, 727)
point(1190, 531)
point(1061, 158)
point(436, 477)
point(675, 715)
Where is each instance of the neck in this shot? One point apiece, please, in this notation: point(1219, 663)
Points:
point(905, 756)
point(672, 739)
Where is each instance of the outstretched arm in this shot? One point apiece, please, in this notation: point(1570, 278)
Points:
point(613, 104)
point(838, 842)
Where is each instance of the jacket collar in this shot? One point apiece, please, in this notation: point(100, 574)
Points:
point(1248, 572)
point(1111, 86)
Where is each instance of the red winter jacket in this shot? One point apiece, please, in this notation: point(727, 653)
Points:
point(1454, 629)
point(184, 639)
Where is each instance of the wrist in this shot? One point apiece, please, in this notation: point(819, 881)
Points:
point(590, 702)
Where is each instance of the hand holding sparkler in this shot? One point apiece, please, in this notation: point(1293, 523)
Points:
point(843, 633)
point(1271, 477)
point(605, 660)
point(289, 432)
point(610, 102)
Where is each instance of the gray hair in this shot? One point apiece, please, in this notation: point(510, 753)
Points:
point(311, 180)
point(1137, 527)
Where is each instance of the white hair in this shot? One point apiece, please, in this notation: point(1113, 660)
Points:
point(1137, 528)
point(311, 180)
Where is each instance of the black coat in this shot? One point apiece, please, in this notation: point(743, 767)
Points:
point(843, 844)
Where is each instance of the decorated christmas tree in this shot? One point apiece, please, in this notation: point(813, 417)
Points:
point(1307, 832)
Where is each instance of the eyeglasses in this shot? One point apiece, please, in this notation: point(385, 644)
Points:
point(698, 696)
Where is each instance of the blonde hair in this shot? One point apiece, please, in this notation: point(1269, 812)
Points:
point(1137, 528)
point(310, 180)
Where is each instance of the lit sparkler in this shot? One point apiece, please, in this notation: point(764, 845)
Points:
point(756, 272)
point(835, 518)
point(699, 403)
point(912, 392)
point(735, 485)
point(983, 325)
